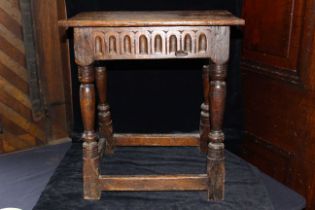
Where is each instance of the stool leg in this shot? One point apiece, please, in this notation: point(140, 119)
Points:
point(91, 188)
point(204, 126)
point(104, 116)
point(215, 164)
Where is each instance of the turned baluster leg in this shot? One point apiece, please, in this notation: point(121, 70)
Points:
point(204, 126)
point(215, 164)
point(104, 116)
point(91, 188)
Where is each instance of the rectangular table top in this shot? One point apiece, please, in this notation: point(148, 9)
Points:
point(152, 18)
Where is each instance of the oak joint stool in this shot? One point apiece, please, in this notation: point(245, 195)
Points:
point(100, 36)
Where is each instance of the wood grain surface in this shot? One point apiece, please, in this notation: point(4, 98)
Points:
point(154, 182)
point(152, 35)
point(18, 128)
point(156, 139)
point(153, 18)
point(279, 96)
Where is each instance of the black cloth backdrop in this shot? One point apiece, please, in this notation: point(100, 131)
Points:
point(162, 96)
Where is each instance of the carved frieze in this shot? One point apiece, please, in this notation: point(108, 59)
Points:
point(109, 43)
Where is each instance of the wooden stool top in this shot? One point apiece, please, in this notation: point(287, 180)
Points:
point(153, 18)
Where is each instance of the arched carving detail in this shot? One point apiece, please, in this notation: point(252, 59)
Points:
point(172, 44)
point(127, 44)
point(112, 45)
point(158, 43)
point(202, 40)
point(188, 43)
point(143, 44)
point(99, 46)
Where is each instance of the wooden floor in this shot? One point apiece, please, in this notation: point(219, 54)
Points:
point(18, 130)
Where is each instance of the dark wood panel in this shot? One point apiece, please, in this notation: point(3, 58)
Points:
point(272, 32)
point(261, 154)
point(35, 90)
point(283, 116)
point(18, 131)
point(271, 110)
point(46, 15)
point(65, 55)
point(307, 54)
point(280, 114)
point(18, 83)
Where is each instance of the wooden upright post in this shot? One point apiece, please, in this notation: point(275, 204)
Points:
point(204, 126)
point(215, 165)
point(91, 188)
point(104, 116)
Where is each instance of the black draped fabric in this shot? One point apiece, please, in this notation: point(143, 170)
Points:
point(244, 187)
